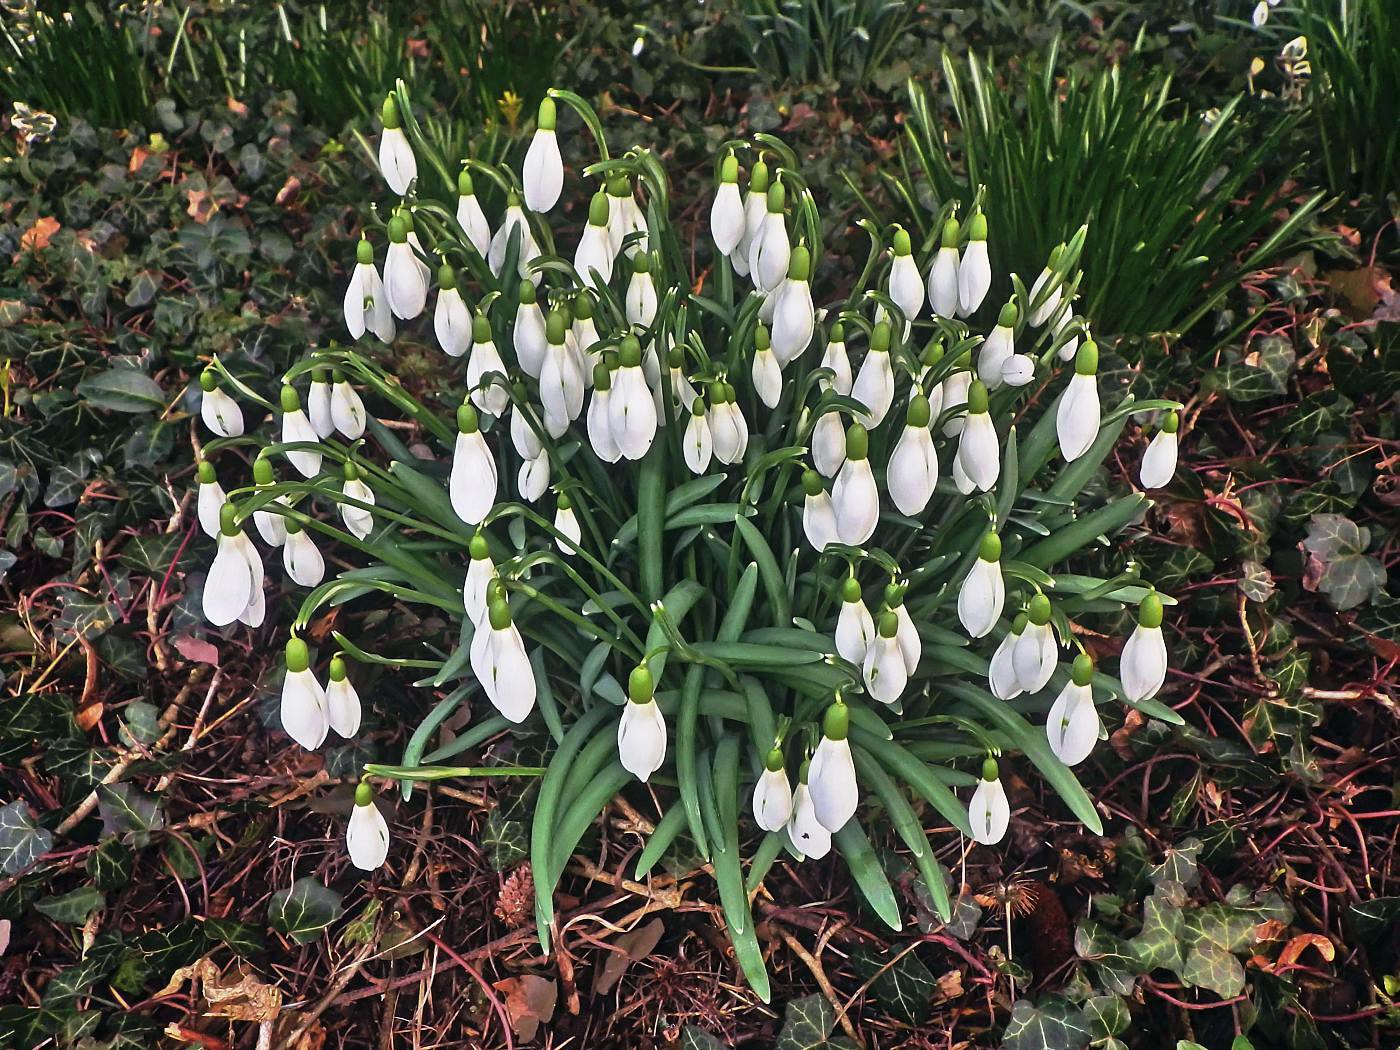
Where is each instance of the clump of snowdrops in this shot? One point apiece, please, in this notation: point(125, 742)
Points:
point(791, 560)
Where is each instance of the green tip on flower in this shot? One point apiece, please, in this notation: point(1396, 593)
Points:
point(1082, 673)
point(977, 228)
point(337, 672)
point(447, 277)
point(989, 769)
point(717, 392)
point(467, 422)
point(777, 198)
point(495, 591)
point(836, 723)
point(919, 414)
point(291, 401)
point(512, 199)
point(1039, 610)
point(209, 380)
point(349, 471)
point(564, 502)
point(292, 526)
point(811, 482)
point(730, 396)
point(554, 328)
point(729, 169)
point(857, 442)
point(1008, 316)
point(1170, 422)
point(398, 230)
point(951, 232)
point(547, 116)
point(758, 178)
point(1018, 625)
point(976, 397)
point(630, 352)
point(888, 625)
point(364, 252)
point(500, 614)
point(478, 547)
point(641, 263)
point(228, 520)
point(894, 595)
point(465, 186)
point(1150, 611)
point(991, 547)
point(583, 306)
point(481, 329)
point(675, 357)
point(880, 337)
point(364, 794)
point(389, 114)
point(697, 407)
point(902, 245)
point(850, 590)
point(837, 334)
point(527, 293)
point(803, 770)
point(262, 471)
point(598, 209)
point(761, 339)
point(800, 264)
point(933, 353)
point(640, 686)
point(602, 378)
point(1086, 361)
point(206, 473)
point(298, 657)
point(618, 186)
point(774, 761)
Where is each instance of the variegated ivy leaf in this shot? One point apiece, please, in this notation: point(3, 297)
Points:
point(1158, 945)
point(21, 841)
point(1114, 960)
point(1053, 1025)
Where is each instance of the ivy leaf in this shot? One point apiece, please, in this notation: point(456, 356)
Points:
point(1211, 967)
point(1107, 1015)
point(72, 908)
point(904, 988)
point(806, 1023)
point(1157, 945)
point(1227, 928)
point(1370, 919)
point(122, 390)
point(1338, 565)
point(1179, 865)
point(693, 1038)
point(305, 910)
point(111, 864)
point(124, 808)
point(1053, 1025)
point(1115, 962)
point(21, 841)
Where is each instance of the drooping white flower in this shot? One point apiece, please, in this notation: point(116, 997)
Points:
point(405, 285)
point(593, 259)
point(983, 591)
point(543, 172)
point(828, 444)
point(452, 321)
point(529, 251)
point(396, 161)
point(989, 812)
point(342, 700)
point(727, 211)
point(303, 711)
point(770, 251)
point(1018, 370)
point(766, 371)
point(367, 832)
point(600, 436)
point(209, 500)
point(906, 286)
point(641, 292)
point(831, 776)
point(233, 586)
point(489, 395)
point(502, 666)
point(818, 513)
point(772, 794)
point(977, 465)
point(755, 211)
point(1159, 461)
point(1142, 667)
point(955, 388)
point(347, 408)
point(1036, 652)
point(472, 485)
point(524, 431)
point(729, 431)
point(481, 570)
point(911, 646)
point(301, 557)
point(913, 468)
point(269, 523)
point(318, 404)
point(794, 315)
point(998, 349)
point(1078, 414)
point(838, 360)
point(874, 383)
point(566, 522)
point(359, 522)
point(366, 302)
point(220, 412)
point(641, 732)
point(530, 339)
point(631, 409)
point(698, 444)
point(805, 831)
point(1047, 291)
point(855, 627)
point(625, 218)
point(1072, 727)
point(975, 269)
point(561, 385)
point(470, 216)
point(854, 495)
point(884, 671)
point(1001, 672)
point(943, 278)
point(533, 478)
point(1062, 320)
point(296, 428)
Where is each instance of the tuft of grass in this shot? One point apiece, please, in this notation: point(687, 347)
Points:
point(822, 41)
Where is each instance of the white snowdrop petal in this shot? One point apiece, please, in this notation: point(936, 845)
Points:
point(857, 502)
point(831, 781)
point(981, 598)
point(989, 812)
point(343, 707)
point(473, 482)
point(302, 559)
point(1159, 461)
point(543, 172)
point(1077, 416)
point(805, 831)
point(1072, 726)
point(772, 800)
point(396, 161)
point(641, 739)
point(367, 837)
point(303, 709)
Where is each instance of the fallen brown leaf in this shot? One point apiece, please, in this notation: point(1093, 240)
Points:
point(37, 237)
point(530, 1002)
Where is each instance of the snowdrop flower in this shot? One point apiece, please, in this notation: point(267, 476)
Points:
point(220, 412)
point(836, 359)
point(1260, 14)
point(755, 210)
point(874, 383)
point(301, 557)
point(975, 270)
point(593, 259)
point(269, 523)
point(367, 832)
point(1078, 415)
point(1001, 672)
point(359, 522)
point(631, 410)
point(913, 467)
point(524, 431)
point(625, 218)
point(855, 627)
point(999, 348)
point(989, 812)
point(805, 832)
point(911, 647)
point(943, 278)
point(883, 672)
point(543, 171)
point(977, 464)
point(470, 216)
point(641, 733)
point(698, 445)
point(296, 428)
point(854, 495)
point(818, 513)
point(404, 284)
point(766, 371)
point(1159, 461)
point(728, 428)
point(831, 777)
point(828, 444)
point(1035, 654)
point(304, 715)
point(490, 396)
point(983, 591)
point(599, 421)
point(585, 332)
point(347, 407)
point(1067, 349)
point(1073, 723)
point(210, 499)
point(318, 404)
point(794, 316)
point(1018, 370)
point(233, 587)
point(533, 478)
point(682, 390)
point(472, 486)
point(955, 389)
point(529, 251)
point(452, 321)
point(561, 385)
point(570, 537)
point(1142, 668)
point(727, 213)
point(772, 794)
point(1045, 303)
point(906, 287)
point(396, 161)
point(641, 292)
point(531, 340)
point(502, 666)
point(366, 302)
point(480, 572)
point(770, 250)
